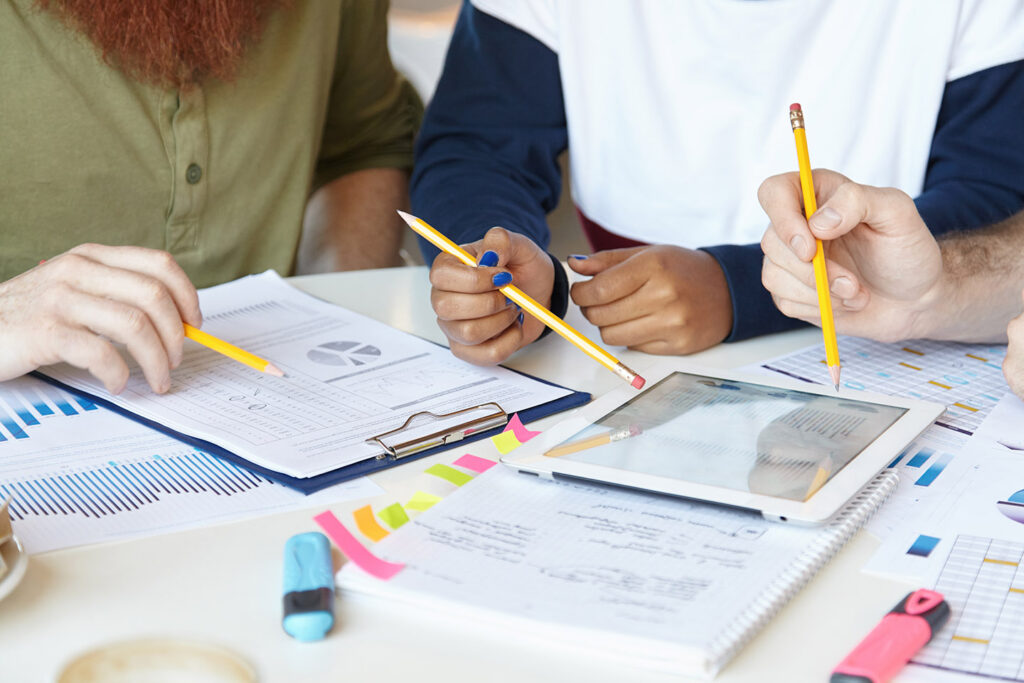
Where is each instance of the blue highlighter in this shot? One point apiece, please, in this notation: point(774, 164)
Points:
point(308, 587)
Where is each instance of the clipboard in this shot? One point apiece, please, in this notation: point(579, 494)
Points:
point(396, 450)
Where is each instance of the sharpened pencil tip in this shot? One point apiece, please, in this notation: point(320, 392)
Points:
point(272, 369)
point(837, 388)
point(407, 217)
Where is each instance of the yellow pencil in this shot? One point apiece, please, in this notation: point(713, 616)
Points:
point(527, 303)
point(828, 323)
point(593, 442)
point(231, 351)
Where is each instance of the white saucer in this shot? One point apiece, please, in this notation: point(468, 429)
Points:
point(158, 660)
point(16, 559)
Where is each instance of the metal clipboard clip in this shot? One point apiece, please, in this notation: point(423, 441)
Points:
point(451, 434)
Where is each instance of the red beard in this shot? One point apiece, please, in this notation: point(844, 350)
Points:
point(169, 43)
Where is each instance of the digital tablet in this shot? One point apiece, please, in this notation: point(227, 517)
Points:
point(791, 450)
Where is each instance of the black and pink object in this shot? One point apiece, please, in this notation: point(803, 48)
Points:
point(891, 644)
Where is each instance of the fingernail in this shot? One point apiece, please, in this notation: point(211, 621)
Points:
point(826, 219)
point(501, 279)
point(843, 287)
point(520, 318)
point(581, 257)
point(489, 259)
point(798, 244)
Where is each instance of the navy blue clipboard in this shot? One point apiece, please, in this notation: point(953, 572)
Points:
point(357, 469)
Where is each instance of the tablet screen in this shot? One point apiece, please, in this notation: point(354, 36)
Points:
point(734, 435)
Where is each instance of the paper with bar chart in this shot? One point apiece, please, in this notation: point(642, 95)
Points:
point(967, 378)
point(983, 581)
point(348, 378)
point(78, 473)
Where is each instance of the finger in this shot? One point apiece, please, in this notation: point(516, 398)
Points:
point(156, 264)
point(782, 200)
point(494, 351)
point(122, 323)
point(782, 256)
point(478, 330)
point(782, 284)
point(130, 287)
point(449, 274)
point(458, 306)
point(631, 307)
point(601, 261)
point(85, 350)
point(882, 209)
point(610, 285)
point(634, 332)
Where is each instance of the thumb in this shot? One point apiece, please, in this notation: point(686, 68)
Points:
point(882, 209)
point(601, 261)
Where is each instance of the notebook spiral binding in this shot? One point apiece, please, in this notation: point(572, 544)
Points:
point(851, 518)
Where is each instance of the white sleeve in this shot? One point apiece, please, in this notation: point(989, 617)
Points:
point(535, 17)
point(989, 33)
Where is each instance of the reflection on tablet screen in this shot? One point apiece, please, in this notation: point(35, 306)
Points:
point(734, 435)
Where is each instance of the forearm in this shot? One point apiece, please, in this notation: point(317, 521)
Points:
point(980, 289)
point(356, 221)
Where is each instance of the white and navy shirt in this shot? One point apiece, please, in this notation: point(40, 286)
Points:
point(675, 112)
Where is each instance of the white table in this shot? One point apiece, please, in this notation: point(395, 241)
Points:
point(222, 584)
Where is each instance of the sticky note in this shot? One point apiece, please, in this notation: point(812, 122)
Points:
point(367, 523)
point(393, 515)
point(472, 462)
point(506, 442)
point(355, 551)
point(421, 500)
point(449, 474)
point(515, 425)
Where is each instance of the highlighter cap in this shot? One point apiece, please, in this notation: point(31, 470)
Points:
point(308, 626)
point(308, 595)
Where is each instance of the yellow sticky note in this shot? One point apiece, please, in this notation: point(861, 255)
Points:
point(506, 442)
point(421, 500)
point(449, 474)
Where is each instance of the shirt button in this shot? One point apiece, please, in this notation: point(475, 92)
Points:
point(193, 173)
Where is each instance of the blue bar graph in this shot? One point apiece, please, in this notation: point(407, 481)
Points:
point(124, 487)
point(921, 457)
point(932, 473)
point(923, 545)
point(23, 408)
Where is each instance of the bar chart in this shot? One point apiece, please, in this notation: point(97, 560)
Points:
point(966, 378)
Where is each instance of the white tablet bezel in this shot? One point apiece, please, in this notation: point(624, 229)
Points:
point(817, 509)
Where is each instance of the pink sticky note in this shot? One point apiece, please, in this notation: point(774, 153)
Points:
point(472, 462)
point(354, 550)
point(522, 433)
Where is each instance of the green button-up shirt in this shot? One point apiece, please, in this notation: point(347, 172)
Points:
point(218, 175)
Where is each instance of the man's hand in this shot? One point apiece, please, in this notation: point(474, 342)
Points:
point(1013, 365)
point(660, 299)
point(883, 264)
point(482, 326)
point(72, 306)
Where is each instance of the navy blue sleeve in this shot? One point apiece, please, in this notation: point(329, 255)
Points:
point(487, 153)
point(975, 177)
point(976, 167)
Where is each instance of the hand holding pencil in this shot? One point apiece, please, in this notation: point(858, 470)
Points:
point(494, 317)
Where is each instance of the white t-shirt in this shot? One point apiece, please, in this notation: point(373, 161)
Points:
point(677, 110)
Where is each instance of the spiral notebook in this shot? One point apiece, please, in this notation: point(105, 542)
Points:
point(671, 584)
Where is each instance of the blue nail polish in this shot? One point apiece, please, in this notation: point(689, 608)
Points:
point(508, 302)
point(489, 259)
point(501, 279)
point(520, 318)
point(581, 257)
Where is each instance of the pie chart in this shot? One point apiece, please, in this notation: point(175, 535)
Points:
point(344, 353)
point(1013, 507)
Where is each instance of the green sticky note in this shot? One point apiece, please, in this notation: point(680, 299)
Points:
point(421, 500)
point(393, 515)
point(449, 474)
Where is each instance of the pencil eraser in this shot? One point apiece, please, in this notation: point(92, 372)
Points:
point(638, 382)
point(795, 107)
